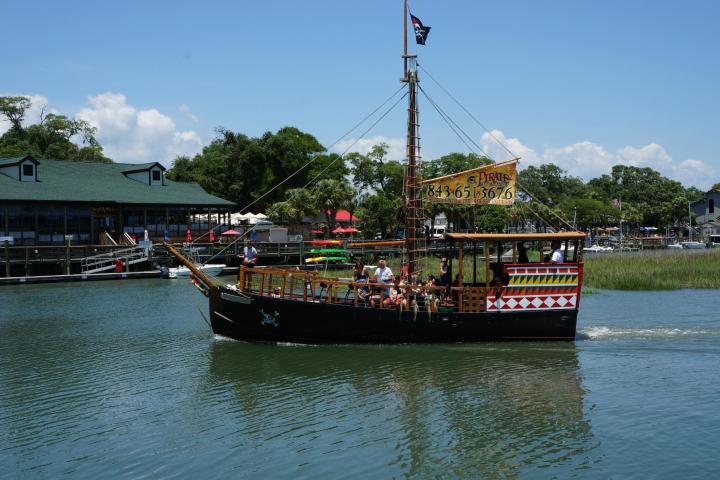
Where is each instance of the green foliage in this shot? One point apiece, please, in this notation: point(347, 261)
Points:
point(653, 198)
point(492, 218)
point(591, 213)
point(242, 169)
point(378, 214)
point(329, 196)
point(550, 184)
point(51, 138)
point(375, 173)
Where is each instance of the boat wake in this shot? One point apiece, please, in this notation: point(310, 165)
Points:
point(612, 333)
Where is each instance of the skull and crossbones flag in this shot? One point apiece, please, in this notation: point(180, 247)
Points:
point(421, 32)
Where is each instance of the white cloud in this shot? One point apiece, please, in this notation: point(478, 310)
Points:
point(492, 144)
point(185, 108)
point(396, 146)
point(131, 135)
point(32, 115)
point(588, 160)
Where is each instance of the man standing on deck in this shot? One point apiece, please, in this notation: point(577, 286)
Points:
point(383, 274)
point(557, 255)
point(249, 255)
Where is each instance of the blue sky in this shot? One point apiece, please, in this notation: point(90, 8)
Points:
point(581, 84)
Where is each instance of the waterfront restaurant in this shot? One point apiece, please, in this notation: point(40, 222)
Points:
point(42, 201)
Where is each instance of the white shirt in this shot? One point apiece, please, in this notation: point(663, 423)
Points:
point(557, 257)
point(383, 274)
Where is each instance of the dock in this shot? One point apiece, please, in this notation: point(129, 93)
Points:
point(79, 277)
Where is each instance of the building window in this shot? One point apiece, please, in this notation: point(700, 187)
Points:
point(28, 170)
point(711, 207)
point(21, 224)
point(156, 175)
point(51, 226)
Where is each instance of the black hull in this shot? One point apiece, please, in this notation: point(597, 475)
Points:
point(258, 318)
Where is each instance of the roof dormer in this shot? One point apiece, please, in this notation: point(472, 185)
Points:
point(23, 169)
point(152, 174)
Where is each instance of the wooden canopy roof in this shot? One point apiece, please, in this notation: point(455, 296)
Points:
point(515, 237)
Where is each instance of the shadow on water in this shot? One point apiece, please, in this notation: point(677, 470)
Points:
point(472, 410)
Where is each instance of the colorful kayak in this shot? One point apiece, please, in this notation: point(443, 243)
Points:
point(328, 251)
point(326, 259)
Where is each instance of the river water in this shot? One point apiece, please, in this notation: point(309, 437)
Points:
point(125, 380)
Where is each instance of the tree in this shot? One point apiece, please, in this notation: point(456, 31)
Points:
point(550, 184)
point(51, 138)
point(13, 109)
point(375, 173)
point(256, 171)
point(660, 200)
point(378, 214)
point(331, 195)
point(491, 218)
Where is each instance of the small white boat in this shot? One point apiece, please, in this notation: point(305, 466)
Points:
point(693, 245)
point(598, 249)
point(183, 271)
point(676, 246)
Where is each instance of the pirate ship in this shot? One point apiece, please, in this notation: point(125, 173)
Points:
point(497, 293)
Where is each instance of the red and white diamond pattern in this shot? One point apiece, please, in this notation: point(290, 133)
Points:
point(541, 302)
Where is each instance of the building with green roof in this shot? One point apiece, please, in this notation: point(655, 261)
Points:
point(42, 201)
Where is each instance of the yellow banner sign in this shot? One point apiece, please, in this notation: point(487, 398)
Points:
point(488, 185)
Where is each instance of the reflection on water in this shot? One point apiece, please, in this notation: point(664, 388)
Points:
point(124, 380)
point(482, 410)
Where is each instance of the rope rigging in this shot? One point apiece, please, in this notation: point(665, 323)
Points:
point(455, 127)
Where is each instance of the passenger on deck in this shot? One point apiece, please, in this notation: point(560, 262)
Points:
point(383, 274)
point(557, 255)
point(444, 272)
point(396, 295)
point(417, 295)
point(359, 272)
point(522, 253)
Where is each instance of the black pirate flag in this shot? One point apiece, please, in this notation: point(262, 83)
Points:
point(421, 32)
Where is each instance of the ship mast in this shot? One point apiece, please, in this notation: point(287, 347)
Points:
point(414, 217)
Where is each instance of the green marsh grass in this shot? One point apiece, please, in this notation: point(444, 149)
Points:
point(654, 270)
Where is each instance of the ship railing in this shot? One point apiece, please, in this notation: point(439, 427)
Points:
point(307, 286)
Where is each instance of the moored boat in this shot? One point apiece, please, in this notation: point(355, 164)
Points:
point(182, 271)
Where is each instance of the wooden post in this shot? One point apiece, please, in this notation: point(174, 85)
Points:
point(514, 252)
point(7, 258)
point(460, 265)
point(67, 253)
point(282, 285)
point(567, 244)
point(27, 261)
point(487, 267)
point(474, 264)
